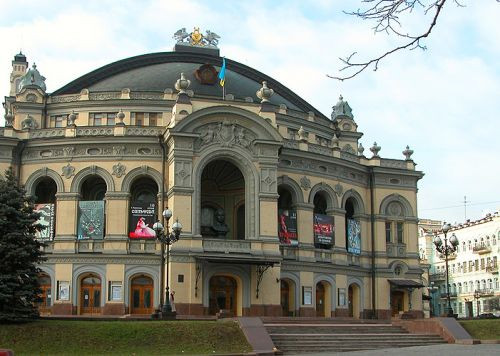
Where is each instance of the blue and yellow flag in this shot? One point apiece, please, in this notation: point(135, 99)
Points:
point(222, 73)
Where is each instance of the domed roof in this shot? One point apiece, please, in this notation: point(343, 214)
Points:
point(32, 78)
point(159, 71)
point(20, 57)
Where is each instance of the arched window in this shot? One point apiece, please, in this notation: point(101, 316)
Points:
point(287, 217)
point(352, 228)
point(45, 205)
point(490, 284)
point(143, 208)
point(466, 287)
point(323, 225)
point(394, 225)
point(459, 287)
point(483, 284)
point(487, 241)
point(463, 246)
point(496, 283)
point(91, 213)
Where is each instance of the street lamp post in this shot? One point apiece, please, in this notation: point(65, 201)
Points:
point(477, 296)
point(447, 249)
point(166, 238)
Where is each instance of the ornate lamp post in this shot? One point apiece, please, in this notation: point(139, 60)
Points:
point(167, 238)
point(447, 249)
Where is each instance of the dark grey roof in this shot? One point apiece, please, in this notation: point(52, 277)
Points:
point(159, 71)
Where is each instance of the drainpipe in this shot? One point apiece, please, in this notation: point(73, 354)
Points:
point(18, 158)
point(372, 223)
point(162, 205)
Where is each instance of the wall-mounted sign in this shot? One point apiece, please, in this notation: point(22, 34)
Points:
point(46, 219)
point(353, 236)
point(63, 290)
point(141, 220)
point(324, 230)
point(307, 295)
point(341, 297)
point(90, 220)
point(287, 227)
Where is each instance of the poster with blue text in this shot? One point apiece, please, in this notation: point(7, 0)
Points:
point(353, 236)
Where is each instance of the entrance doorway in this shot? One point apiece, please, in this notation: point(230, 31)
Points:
point(320, 299)
point(44, 305)
point(469, 309)
point(354, 300)
point(222, 295)
point(90, 295)
point(285, 298)
point(141, 296)
point(397, 302)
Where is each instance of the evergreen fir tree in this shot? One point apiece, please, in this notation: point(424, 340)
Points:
point(19, 252)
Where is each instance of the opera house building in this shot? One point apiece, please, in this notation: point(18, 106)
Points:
point(277, 208)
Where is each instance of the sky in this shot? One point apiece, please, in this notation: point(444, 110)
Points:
point(443, 102)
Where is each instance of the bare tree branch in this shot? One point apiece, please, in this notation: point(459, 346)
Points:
point(386, 14)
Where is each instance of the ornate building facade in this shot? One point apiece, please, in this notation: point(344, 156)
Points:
point(282, 211)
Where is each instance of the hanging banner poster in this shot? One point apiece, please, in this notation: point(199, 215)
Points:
point(353, 236)
point(46, 219)
point(324, 229)
point(141, 219)
point(90, 220)
point(287, 227)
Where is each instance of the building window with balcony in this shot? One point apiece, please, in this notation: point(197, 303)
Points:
point(476, 265)
point(459, 288)
point(471, 286)
point(471, 264)
point(56, 121)
point(490, 284)
point(470, 245)
point(466, 287)
point(102, 119)
point(483, 284)
point(482, 264)
point(478, 285)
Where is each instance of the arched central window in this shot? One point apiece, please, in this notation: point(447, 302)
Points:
point(323, 225)
point(287, 217)
point(352, 228)
point(143, 208)
point(91, 214)
point(45, 199)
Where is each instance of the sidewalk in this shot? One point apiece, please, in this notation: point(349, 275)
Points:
point(441, 350)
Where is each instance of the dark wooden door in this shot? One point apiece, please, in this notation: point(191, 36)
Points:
point(320, 299)
point(90, 296)
point(142, 296)
point(222, 295)
point(397, 302)
point(350, 301)
point(285, 297)
point(44, 305)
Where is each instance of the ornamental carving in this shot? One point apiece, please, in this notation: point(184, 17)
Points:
point(305, 183)
point(183, 173)
point(226, 134)
point(68, 171)
point(338, 189)
point(268, 180)
point(119, 170)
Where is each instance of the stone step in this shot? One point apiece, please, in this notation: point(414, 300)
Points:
point(353, 342)
point(320, 330)
point(301, 351)
point(307, 337)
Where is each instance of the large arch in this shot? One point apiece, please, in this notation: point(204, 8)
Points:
point(240, 273)
point(243, 161)
point(79, 272)
point(296, 281)
point(253, 122)
point(38, 175)
point(359, 284)
point(143, 171)
point(297, 195)
point(330, 196)
point(325, 278)
point(407, 209)
point(80, 177)
point(133, 271)
point(359, 206)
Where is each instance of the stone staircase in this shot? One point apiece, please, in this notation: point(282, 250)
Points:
point(306, 335)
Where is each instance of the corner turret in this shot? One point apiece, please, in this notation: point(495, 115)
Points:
point(19, 67)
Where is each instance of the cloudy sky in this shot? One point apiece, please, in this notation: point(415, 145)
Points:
point(444, 102)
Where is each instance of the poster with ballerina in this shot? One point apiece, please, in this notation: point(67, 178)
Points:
point(142, 218)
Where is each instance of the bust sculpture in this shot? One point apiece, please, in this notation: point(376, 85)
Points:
point(220, 227)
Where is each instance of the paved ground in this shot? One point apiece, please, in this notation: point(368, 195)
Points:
point(440, 350)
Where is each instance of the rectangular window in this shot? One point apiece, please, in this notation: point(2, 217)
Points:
point(110, 119)
point(482, 263)
point(476, 264)
point(56, 121)
point(137, 118)
point(96, 119)
point(388, 238)
point(153, 119)
point(471, 264)
point(400, 232)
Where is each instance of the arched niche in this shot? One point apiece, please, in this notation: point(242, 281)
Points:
point(41, 174)
point(327, 192)
point(139, 172)
point(391, 203)
point(292, 186)
point(359, 206)
point(242, 160)
point(81, 176)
